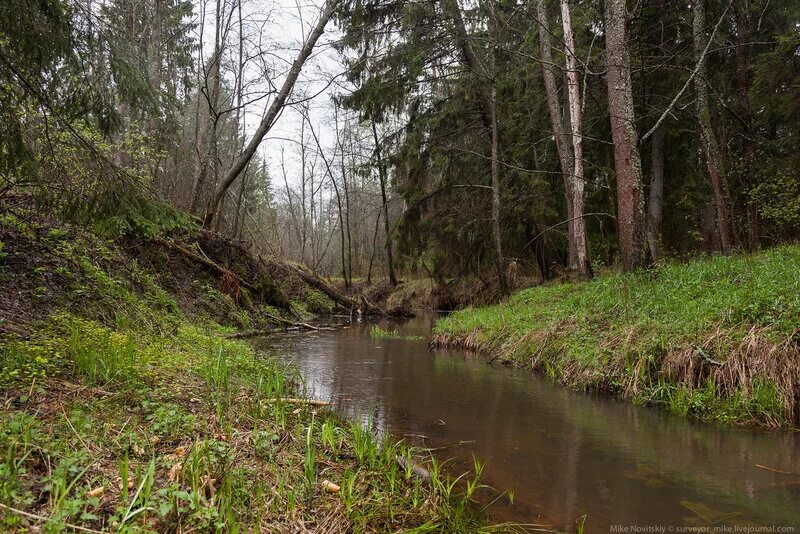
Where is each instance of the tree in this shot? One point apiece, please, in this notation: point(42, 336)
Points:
point(271, 115)
point(748, 143)
point(559, 134)
point(383, 179)
point(627, 161)
point(708, 138)
point(655, 212)
point(577, 178)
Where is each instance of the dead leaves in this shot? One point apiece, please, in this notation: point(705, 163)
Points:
point(330, 487)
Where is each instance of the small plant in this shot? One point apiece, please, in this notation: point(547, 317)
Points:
point(100, 354)
point(376, 332)
point(264, 443)
point(365, 443)
point(329, 431)
point(168, 420)
point(308, 459)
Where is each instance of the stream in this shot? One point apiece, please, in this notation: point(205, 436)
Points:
point(563, 454)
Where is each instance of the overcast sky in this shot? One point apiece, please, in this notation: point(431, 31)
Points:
point(279, 27)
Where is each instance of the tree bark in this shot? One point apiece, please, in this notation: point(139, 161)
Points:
point(708, 138)
point(578, 231)
point(349, 279)
point(627, 160)
point(656, 201)
point(556, 119)
point(240, 119)
point(271, 115)
point(382, 178)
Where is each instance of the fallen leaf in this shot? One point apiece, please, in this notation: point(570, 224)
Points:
point(180, 452)
point(330, 487)
point(154, 439)
point(174, 471)
point(96, 492)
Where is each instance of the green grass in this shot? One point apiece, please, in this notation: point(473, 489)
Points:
point(376, 332)
point(134, 418)
point(637, 334)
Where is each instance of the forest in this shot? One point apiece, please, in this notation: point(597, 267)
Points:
point(603, 193)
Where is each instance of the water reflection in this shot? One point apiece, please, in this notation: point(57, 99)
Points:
point(563, 454)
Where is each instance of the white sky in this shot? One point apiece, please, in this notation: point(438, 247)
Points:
point(281, 26)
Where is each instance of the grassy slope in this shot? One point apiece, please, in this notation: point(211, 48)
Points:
point(107, 379)
point(716, 338)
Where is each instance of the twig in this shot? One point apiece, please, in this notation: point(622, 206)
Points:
point(47, 519)
point(73, 428)
point(312, 402)
point(697, 67)
point(777, 470)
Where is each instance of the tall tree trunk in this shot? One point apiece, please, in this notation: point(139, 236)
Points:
point(742, 18)
point(497, 241)
point(556, 119)
point(582, 263)
point(497, 238)
point(210, 157)
point(271, 115)
point(488, 102)
point(382, 178)
point(708, 138)
point(240, 118)
point(199, 130)
point(329, 170)
point(349, 278)
point(627, 160)
point(237, 217)
point(656, 202)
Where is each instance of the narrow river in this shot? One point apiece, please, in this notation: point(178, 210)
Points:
point(564, 454)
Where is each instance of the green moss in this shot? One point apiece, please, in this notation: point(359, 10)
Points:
point(318, 303)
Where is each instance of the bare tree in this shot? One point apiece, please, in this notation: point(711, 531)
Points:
point(339, 211)
point(271, 115)
point(383, 179)
point(578, 236)
point(554, 108)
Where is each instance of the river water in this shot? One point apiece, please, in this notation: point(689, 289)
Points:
point(563, 454)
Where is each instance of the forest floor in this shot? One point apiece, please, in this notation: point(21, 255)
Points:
point(125, 405)
point(717, 339)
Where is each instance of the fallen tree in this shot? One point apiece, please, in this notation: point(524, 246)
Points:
point(364, 307)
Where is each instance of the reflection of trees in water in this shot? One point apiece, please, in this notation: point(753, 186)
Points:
point(562, 453)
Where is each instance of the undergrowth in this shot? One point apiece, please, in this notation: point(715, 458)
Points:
point(715, 339)
point(127, 430)
point(128, 414)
